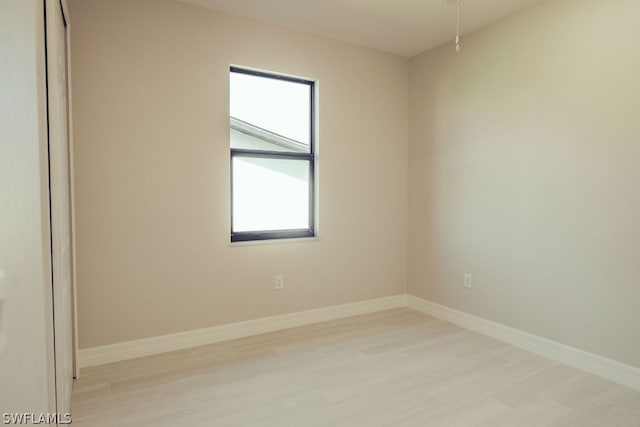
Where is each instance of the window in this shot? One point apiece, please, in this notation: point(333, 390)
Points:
point(272, 124)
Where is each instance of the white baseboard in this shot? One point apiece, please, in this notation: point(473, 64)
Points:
point(607, 368)
point(145, 347)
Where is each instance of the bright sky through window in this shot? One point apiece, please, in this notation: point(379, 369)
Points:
point(270, 194)
point(278, 106)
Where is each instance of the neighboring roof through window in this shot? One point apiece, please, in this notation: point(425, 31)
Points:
point(280, 141)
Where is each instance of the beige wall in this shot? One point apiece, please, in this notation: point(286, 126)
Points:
point(26, 318)
point(524, 172)
point(150, 86)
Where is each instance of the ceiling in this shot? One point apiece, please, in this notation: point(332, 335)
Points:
point(403, 27)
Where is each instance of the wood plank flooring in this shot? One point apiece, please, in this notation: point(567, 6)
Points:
point(392, 368)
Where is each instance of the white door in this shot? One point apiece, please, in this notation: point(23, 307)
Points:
point(59, 181)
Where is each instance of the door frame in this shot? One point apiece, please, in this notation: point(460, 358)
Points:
point(76, 368)
point(55, 21)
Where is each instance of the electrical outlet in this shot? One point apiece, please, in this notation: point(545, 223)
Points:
point(279, 282)
point(467, 280)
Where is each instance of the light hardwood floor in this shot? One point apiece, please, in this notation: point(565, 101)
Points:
point(392, 368)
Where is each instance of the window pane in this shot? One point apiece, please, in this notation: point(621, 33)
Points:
point(270, 194)
point(274, 114)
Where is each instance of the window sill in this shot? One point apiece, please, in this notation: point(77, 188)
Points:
point(274, 241)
